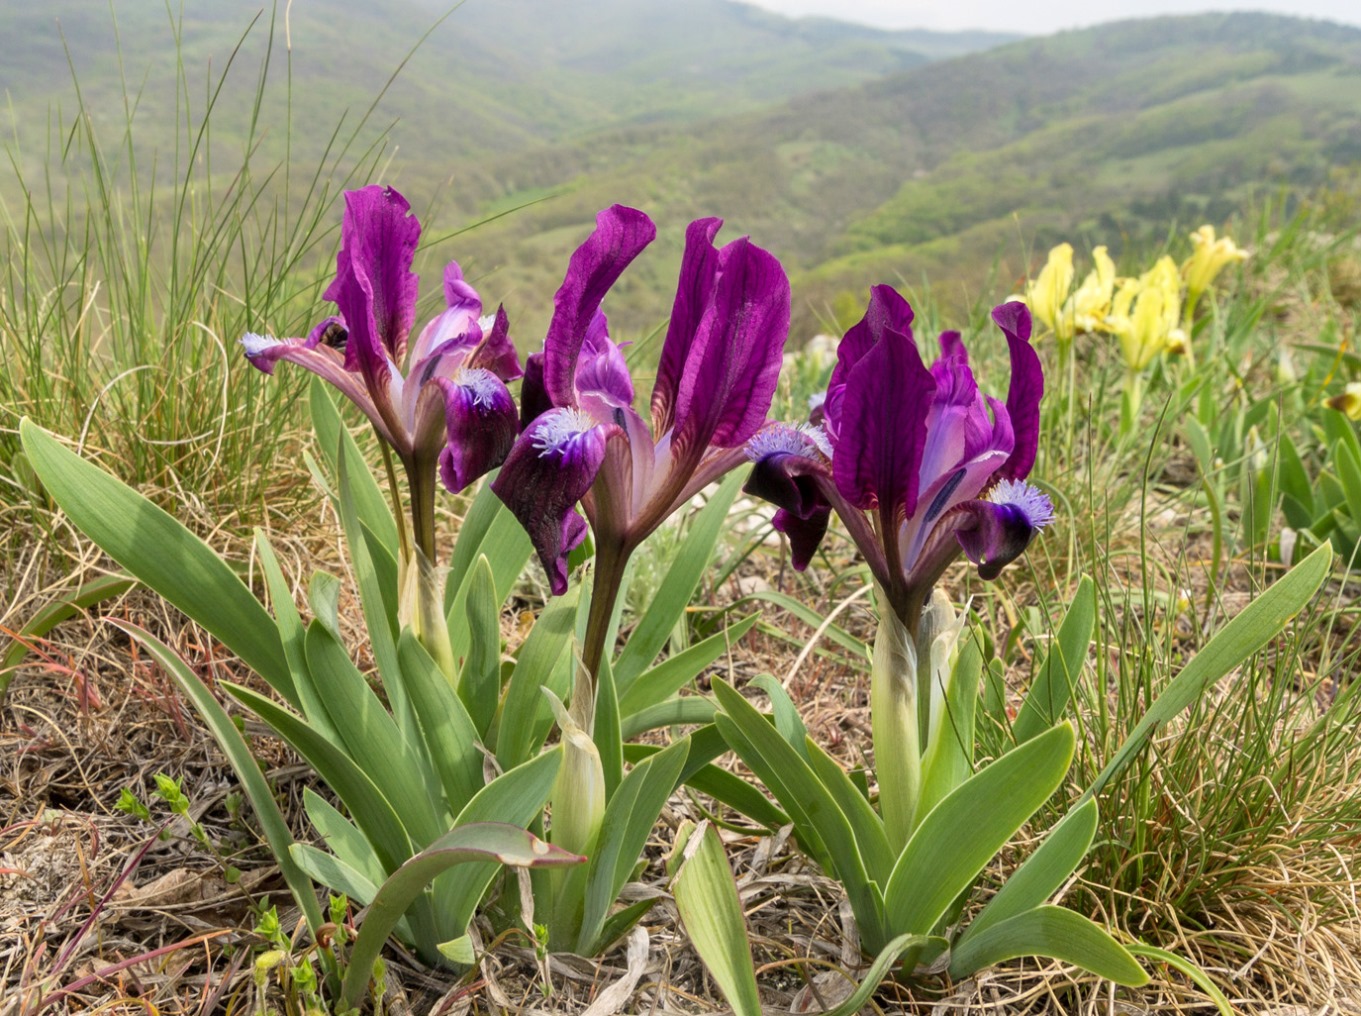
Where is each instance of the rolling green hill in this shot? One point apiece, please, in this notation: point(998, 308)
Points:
point(1111, 133)
point(873, 165)
point(493, 77)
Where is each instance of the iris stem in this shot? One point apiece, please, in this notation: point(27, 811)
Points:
point(428, 618)
point(403, 537)
point(610, 562)
point(420, 477)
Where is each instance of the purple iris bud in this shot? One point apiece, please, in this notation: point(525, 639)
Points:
point(917, 462)
point(719, 366)
point(441, 397)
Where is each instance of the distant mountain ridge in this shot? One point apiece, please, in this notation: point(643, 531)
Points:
point(1107, 134)
point(873, 165)
point(494, 76)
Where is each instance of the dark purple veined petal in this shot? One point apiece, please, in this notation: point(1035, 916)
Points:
point(789, 468)
point(882, 429)
point(496, 352)
point(480, 424)
point(694, 290)
point(805, 534)
point(374, 286)
point(733, 363)
point(620, 235)
point(1026, 391)
point(887, 311)
point(549, 469)
point(534, 400)
point(996, 530)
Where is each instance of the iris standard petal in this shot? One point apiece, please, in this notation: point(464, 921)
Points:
point(1026, 391)
point(480, 425)
point(882, 427)
point(620, 235)
point(549, 469)
point(496, 352)
point(458, 323)
point(699, 267)
point(733, 364)
point(374, 286)
point(887, 311)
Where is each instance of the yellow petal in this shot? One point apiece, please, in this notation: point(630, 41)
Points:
point(1047, 293)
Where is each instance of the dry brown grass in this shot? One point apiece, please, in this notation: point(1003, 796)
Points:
point(87, 716)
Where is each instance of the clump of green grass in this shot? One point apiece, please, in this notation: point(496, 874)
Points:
point(137, 255)
point(1233, 839)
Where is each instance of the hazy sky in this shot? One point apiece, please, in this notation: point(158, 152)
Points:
point(1040, 17)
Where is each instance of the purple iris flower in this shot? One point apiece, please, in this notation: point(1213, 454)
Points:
point(584, 441)
point(917, 462)
point(442, 397)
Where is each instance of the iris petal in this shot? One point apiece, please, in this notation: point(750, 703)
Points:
point(480, 426)
point(601, 368)
point(887, 311)
point(1000, 528)
point(458, 324)
point(1026, 391)
point(325, 362)
point(804, 534)
point(882, 427)
point(374, 286)
point(699, 266)
point(620, 235)
point(733, 364)
point(496, 352)
point(789, 468)
point(550, 468)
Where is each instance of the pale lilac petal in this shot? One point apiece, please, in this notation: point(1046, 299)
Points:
point(549, 469)
point(327, 362)
point(620, 235)
point(959, 402)
point(1026, 391)
point(480, 426)
point(457, 325)
point(630, 467)
point(601, 368)
point(699, 267)
point(935, 503)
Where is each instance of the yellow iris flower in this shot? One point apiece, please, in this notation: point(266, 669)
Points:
point(1091, 303)
point(1048, 292)
point(1145, 314)
point(1208, 258)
